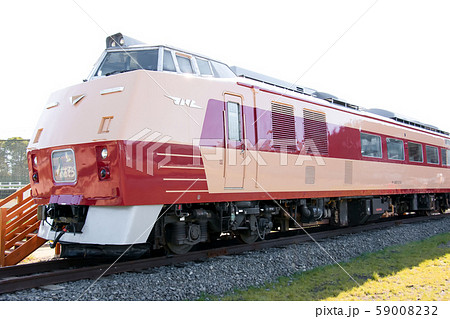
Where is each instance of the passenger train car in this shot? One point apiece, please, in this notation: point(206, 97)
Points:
point(163, 148)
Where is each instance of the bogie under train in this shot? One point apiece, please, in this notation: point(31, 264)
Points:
point(162, 148)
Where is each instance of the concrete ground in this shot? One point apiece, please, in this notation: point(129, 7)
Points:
point(41, 254)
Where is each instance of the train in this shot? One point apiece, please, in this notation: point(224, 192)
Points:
point(161, 149)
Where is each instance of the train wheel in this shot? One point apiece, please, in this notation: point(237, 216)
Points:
point(179, 249)
point(247, 237)
point(175, 235)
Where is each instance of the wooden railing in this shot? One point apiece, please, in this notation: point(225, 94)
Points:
point(18, 227)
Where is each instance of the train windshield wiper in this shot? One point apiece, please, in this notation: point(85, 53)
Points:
point(116, 72)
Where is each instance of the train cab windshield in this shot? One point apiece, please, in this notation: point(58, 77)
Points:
point(160, 59)
point(124, 61)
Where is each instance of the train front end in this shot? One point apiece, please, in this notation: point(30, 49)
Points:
point(79, 157)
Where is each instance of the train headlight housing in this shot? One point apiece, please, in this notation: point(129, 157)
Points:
point(34, 169)
point(103, 156)
point(104, 153)
point(104, 173)
point(119, 39)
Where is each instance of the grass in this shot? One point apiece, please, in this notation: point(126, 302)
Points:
point(415, 271)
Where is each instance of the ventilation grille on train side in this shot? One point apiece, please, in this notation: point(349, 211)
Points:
point(283, 127)
point(316, 133)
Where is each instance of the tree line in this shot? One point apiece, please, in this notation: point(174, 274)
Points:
point(13, 160)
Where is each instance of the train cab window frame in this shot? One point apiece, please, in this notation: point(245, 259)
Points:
point(234, 121)
point(395, 149)
point(204, 67)
point(168, 63)
point(445, 153)
point(222, 70)
point(115, 62)
point(185, 63)
point(432, 154)
point(413, 152)
point(371, 145)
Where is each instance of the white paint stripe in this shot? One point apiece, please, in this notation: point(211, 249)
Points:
point(185, 179)
point(179, 155)
point(182, 191)
point(112, 90)
point(182, 167)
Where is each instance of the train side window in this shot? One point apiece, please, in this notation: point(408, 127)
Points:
point(445, 157)
point(221, 70)
point(415, 152)
point(395, 149)
point(432, 154)
point(204, 67)
point(371, 145)
point(234, 121)
point(168, 64)
point(185, 64)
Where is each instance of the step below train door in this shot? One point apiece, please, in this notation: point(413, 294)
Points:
point(234, 141)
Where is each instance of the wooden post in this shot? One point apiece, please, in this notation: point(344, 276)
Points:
point(2, 235)
point(20, 198)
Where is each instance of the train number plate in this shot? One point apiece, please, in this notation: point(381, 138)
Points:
point(63, 166)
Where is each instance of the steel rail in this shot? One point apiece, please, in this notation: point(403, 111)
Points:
point(43, 266)
point(27, 276)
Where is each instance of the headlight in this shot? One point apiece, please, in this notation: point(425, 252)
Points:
point(104, 173)
point(104, 153)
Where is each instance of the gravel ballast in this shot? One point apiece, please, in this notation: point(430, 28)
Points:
point(220, 275)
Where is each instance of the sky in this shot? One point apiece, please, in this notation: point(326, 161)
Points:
point(376, 54)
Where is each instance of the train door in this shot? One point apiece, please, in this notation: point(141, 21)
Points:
point(234, 141)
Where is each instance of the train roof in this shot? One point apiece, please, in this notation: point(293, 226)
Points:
point(241, 72)
point(270, 80)
point(119, 40)
point(406, 120)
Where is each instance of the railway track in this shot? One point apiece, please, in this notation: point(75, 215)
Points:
point(14, 278)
